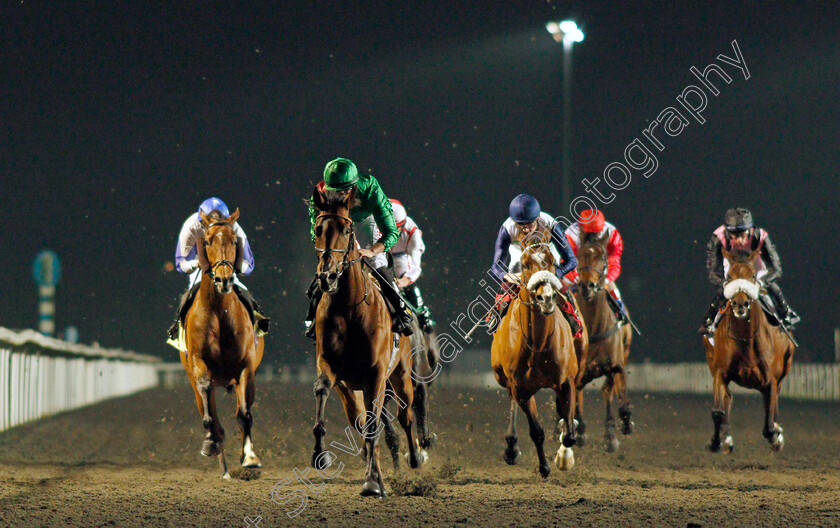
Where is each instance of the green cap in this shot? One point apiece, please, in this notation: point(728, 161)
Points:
point(340, 174)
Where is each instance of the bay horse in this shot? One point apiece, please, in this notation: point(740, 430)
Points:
point(425, 367)
point(533, 349)
point(222, 347)
point(354, 343)
point(609, 341)
point(748, 350)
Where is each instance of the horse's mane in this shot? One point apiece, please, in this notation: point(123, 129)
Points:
point(740, 256)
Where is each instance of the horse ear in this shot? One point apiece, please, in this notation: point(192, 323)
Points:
point(318, 199)
point(603, 239)
point(727, 255)
point(754, 254)
point(205, 220)
point(234, 217)
point(351, 197)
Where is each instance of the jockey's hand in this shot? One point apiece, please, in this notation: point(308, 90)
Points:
point(373, 250)
point(512, 278)
point(403, 282)
point(609, 286)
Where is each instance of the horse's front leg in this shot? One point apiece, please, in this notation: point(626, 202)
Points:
point(565, 401)
point(607, 391)
point(528, 404)
point(580, 424)
point(245, 391)
point(772, 431)
point(374, 397)
point(620, 378)
point(321, 389)
point(722, 404)
point(215, 437)
point(512, 452)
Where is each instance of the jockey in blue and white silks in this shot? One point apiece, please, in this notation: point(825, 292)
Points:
point(526, 218)
point(187, 261)
point(186, 252)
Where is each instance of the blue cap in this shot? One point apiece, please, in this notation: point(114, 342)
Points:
point(214, 204)
point(524, 209)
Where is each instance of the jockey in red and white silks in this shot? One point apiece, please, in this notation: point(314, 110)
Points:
point(615, 247)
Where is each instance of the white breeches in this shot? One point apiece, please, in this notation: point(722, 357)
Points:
point(366, 236)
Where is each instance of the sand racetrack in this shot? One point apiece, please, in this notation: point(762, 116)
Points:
point(135, 462)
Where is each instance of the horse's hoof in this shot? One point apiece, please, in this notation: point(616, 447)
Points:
point(226, 476)
point(427, 441)
point(422, 458)
point(778, 444)
point(545, 471)
point(371, 489)
point(564, 460)
point(211, 448)
point(581, 439)
point(628, 427)
point(322, 460)
point(512, 456)
point(251, 462)
point(611, 444)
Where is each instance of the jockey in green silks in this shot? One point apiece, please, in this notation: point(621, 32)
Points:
point(372, 210)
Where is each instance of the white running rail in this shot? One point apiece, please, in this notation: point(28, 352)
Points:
point(40, 376)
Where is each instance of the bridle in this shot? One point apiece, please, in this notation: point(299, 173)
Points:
point(223, 262)
point(601, 283)
point(345, 263)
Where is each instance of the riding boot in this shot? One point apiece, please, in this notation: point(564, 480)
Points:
point(709, 319)
point(254, 309)
point(570, 317)
point(314, 293)
point(786, 314)
point(400, 317)
point(424, 317)
point(186, 302)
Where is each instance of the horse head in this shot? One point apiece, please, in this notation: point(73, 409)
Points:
point(220, 247)
point(333, 235)
point(538, 271)
point(592, 264)
point(742, 286)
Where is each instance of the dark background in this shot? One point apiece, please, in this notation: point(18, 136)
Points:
point(119, 118)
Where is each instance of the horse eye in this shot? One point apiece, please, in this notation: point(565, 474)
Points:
point(318, 231)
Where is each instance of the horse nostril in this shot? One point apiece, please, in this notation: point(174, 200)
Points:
point(332, 276)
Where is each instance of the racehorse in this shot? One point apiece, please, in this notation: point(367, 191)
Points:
point(424, 361)
point(609, 342)
point(222, 347)
point(533, 349)
point(354, 344)
point(748, 350)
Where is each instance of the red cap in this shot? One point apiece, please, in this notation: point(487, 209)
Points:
point(592, 221)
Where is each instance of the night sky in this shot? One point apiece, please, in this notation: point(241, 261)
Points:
point(119, 118)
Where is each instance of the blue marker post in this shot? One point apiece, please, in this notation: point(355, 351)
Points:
point(47, 271)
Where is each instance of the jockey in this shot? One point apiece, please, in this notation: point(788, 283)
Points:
point(371, 213)
point(525, 218)
point(739, 232)
point(189, 260)
point(615, 246)
point(407, 253)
